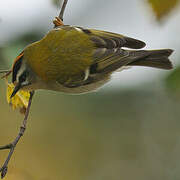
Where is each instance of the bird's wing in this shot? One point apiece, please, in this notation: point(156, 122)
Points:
point(107, 54)
point(111, 40)
point(108, 50)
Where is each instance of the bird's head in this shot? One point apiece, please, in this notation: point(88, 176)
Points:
point(21, 74)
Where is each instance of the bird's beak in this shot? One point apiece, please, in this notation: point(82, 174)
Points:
point(16, 89)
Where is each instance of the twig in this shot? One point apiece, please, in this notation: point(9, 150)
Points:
point(61, 15)
point(4, 71)
point(3, 170)
point(58, 21)
point(12, 145)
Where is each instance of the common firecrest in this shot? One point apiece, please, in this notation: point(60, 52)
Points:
point(77, 60)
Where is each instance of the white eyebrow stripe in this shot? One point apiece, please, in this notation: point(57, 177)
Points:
point(78, 29)
point(20, 72)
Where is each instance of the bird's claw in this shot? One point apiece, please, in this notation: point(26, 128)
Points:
point(58, 22)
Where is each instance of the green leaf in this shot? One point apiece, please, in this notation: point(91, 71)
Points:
point(173, 81)
point(162, 8)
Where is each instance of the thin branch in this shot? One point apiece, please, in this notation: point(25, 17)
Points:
point(12, 146)
point(58, 21)
point(4, 71)
point(3, 170)
point(61, 15)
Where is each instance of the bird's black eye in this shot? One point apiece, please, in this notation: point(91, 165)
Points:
point(22, 78)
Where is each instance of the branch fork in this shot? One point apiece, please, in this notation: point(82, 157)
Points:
point(11, 147)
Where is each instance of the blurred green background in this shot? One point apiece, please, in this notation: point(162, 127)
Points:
point(129, 129)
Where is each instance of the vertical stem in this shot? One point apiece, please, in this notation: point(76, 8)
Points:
point(12, 146)
point(61, 15)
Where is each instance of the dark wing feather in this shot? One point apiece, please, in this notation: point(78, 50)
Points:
point(112, 40)
point(108, 55)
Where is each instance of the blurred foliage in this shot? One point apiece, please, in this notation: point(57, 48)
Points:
point(162, 8)
point(2, 59)
point(110, 135)
point(173, 81)
point(102, 135)
point(57, 2)
point(16, 46)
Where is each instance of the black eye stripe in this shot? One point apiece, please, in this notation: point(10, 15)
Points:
point(16, 68)
point(22, 78)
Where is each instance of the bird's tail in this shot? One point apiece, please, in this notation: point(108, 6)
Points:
point(152, 58)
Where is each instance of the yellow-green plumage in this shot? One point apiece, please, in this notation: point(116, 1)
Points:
point(58, 56)
point(75, 60)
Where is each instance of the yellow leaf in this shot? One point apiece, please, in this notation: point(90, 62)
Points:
point(20, 100)
point(162, 7)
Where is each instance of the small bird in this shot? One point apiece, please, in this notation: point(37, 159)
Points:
point(75, 60)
